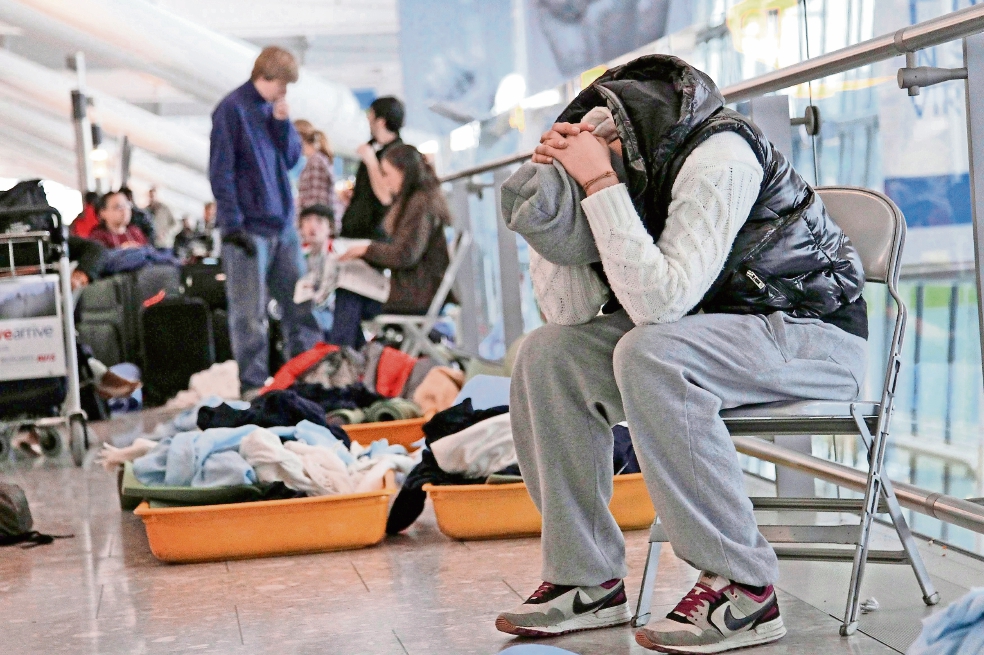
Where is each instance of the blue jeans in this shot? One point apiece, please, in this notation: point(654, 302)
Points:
point(250, 282)
point(350, 310)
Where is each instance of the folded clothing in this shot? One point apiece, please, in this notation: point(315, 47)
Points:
point(188, 419)
point(133, 492)
point(307, 458)
point(477, 451)
point(439, 388)
point(197, 459)
point(457, 418)
point(318, 470)
point(354, 396)
point(276, 408)
point(220, 380)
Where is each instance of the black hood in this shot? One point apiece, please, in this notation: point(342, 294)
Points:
point(657, 101)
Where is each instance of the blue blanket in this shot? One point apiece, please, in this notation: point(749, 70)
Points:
point(121, 260)
point(957, 630)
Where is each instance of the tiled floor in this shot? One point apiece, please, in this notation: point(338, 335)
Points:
point(422, 593)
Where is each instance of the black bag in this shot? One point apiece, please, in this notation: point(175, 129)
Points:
point(14, 221)
point(16, 521)
point(177, 343)
point(206, 281)
point(35, 398)
point(107, 320)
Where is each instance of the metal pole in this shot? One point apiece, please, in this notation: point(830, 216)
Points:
point(83, 129)
point(950, 27)
point(126, 150)
point(973, 48)
point(512, 301)
point(945, 508)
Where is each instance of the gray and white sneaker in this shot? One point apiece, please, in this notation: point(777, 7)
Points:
point(559, 609)
point(717, 615)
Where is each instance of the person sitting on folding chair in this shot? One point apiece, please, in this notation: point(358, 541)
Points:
point(416, 252)
point(724, 283)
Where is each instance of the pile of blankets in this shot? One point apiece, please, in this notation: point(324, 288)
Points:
point(279, 438)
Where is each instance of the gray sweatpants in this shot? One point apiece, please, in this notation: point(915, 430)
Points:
point(571, 384)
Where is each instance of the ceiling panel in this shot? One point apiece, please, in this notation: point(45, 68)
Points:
point(271, 18)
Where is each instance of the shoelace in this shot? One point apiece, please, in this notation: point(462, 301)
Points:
point(697, 597)
point(541, 590)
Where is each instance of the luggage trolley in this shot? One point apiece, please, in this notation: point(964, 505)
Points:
point(37, 336)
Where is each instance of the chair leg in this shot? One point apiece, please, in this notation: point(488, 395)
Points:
point(644, 606)
point(930, 595)
point(871, 496)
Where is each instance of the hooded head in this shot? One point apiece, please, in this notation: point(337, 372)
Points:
point(655, 101)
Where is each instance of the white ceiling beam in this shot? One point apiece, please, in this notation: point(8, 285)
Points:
point(196, 59)
point(52, 90)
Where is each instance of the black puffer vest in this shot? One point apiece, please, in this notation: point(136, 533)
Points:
point(789, 255)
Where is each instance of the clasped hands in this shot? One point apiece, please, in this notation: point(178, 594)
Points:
point(584, 156)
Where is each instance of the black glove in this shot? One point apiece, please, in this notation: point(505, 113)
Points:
point(241, 239)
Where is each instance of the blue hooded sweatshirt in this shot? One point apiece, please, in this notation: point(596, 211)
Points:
point(251, 154)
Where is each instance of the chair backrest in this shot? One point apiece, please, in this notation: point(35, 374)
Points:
point(459, 250)
point(874, 225)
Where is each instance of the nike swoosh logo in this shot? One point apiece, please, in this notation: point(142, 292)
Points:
point(735, 625)
point(583, 608)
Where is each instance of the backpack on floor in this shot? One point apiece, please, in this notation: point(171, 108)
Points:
point(16, 521)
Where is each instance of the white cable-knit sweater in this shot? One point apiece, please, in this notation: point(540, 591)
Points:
point(658, 282)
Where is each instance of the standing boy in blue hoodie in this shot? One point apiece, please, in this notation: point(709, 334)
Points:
point(253, 146)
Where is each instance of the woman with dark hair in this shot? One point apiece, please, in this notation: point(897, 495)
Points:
point(416, 252)
point(115, 230)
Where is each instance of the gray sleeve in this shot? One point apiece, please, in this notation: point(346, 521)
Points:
point(542, 203)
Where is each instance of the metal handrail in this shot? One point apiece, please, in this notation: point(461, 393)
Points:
point(933, 32)
point(488, 166)
point(936, 31)
point(940, 506)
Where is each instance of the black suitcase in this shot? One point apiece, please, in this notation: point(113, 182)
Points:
point(206, 281)
point(177, 343)
point(155, 282)
point(107, 320)
point(220, 335)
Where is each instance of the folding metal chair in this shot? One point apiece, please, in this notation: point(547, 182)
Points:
point(417, 328)
point(876, 227)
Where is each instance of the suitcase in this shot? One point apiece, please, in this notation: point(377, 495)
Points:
point(107, 320)
point(220, 335)
point(206, 281)
point(154, 282)
point(177, 343)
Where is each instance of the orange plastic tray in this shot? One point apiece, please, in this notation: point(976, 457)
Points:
point(267, 528)
point(498, 511)
point(403, 432)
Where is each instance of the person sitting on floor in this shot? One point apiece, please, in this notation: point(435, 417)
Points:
point(315, 226)
point(724, 283)
point(115, 230)
point(416, 252)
